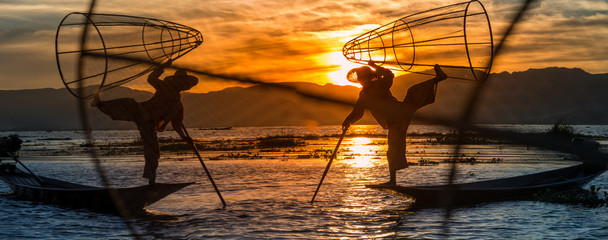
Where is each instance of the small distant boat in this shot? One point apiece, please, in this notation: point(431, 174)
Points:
point(124, 202)
point(504, 189)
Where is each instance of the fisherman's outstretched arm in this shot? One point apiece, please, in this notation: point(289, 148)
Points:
point(153, 78)
point(178, 125)
point(354, 116)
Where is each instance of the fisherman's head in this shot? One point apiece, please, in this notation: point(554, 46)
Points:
point(363, 75)
point(181, 81)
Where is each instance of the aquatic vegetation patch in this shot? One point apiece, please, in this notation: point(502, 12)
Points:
point(316, 147)
point(471, 160)
point(237, 156)
point(587, 198)
point(469, 139)
point(424, 162)
point(280, 142)
point(55, 139)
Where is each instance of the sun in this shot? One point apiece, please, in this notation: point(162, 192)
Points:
point(338, 76)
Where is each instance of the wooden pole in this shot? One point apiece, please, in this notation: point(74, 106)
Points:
point(26, 168)
point(331, 159)
point(204, 166)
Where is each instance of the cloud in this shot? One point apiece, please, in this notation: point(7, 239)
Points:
point(559, 33)
point(27, 34)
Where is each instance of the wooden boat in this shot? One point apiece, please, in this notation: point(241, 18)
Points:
point(512, 188)
point(119, 201)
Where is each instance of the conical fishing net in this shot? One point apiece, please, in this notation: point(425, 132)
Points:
point(457, 36)
point(122, 37)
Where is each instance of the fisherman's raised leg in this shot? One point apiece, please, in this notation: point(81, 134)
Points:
point(125, 109)
point(439, 74)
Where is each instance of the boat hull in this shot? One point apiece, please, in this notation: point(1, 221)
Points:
point(513, 188)
point(126, 202)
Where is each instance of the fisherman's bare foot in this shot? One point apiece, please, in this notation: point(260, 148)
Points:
point(439, 74)
point(388, 184)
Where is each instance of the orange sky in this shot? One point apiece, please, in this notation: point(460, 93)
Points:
point(298, 40)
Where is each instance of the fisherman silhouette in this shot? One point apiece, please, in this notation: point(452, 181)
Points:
point(154, 114)
point(389, 112)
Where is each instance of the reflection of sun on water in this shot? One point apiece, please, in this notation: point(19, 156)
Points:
point(362, 153)
point(361, 140)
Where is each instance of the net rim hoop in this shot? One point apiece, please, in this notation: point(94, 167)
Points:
point(198, 40)
point(383, 47)
point(57, 54)
point(348, 48)
point(466, 45)
point(165, 27)
point(143, 39)
point(413, 45)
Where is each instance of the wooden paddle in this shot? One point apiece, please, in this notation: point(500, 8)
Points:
point(331, 159)
point(191, 142)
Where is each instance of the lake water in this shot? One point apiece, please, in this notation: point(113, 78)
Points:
point(269, 197)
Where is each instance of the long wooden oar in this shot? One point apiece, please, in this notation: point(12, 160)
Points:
point(331, 159)
point(204, 166)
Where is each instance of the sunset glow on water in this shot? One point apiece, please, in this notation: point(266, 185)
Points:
point(269, 197)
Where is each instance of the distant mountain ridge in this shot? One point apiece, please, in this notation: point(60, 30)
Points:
point(535, 96)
